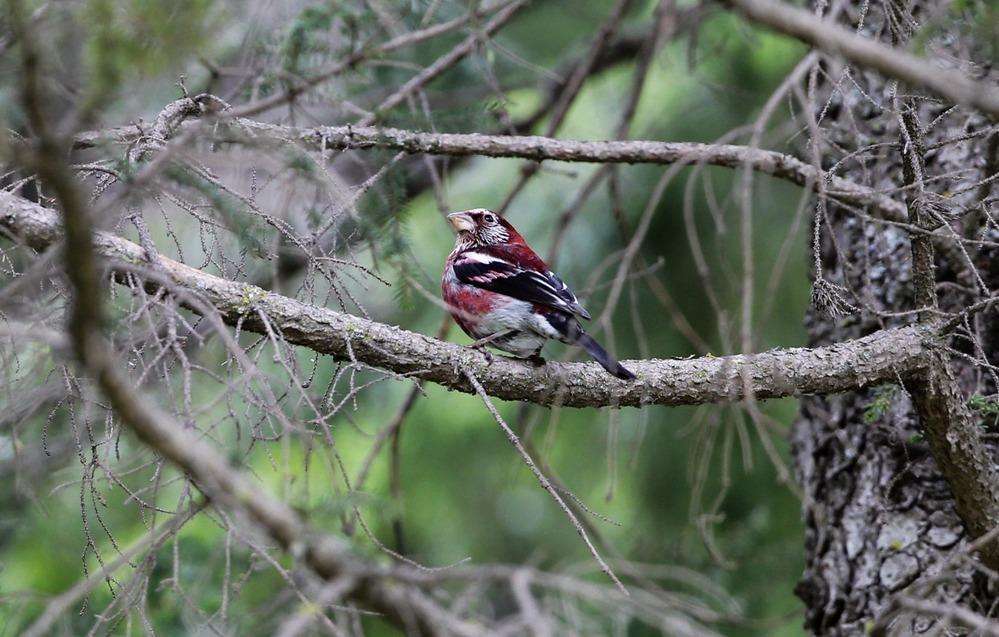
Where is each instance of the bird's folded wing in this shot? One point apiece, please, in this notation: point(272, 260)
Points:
point(497, 274)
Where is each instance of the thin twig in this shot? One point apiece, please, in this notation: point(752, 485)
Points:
point(545, 483)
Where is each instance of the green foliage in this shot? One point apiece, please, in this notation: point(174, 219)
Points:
point(881, 401)
point(986, 407)
point(126, 41)
point(307, 34)
point(382, 226)
point(316, 28)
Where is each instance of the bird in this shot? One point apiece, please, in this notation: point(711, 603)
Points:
point(502, 294)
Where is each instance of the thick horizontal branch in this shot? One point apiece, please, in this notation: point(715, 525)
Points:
point(896, 63)
point(886, 356)
point(340, 138)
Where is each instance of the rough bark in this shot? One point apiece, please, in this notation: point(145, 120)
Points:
point(880, 513)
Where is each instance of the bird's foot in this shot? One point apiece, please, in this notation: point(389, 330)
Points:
point(481, 347)
point(482, 342)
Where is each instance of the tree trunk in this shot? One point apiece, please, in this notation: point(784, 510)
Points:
point(886, 551)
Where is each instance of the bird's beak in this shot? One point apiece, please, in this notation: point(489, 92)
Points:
point(461, 221)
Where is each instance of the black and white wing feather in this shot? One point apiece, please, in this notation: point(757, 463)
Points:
point(490, 269)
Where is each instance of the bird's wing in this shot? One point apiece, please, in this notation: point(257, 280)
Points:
point(490, 270)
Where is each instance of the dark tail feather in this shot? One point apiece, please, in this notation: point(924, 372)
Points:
point(603, 357)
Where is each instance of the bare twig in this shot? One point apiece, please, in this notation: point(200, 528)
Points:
point(545, 483)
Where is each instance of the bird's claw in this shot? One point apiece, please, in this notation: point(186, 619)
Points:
point(481, 347)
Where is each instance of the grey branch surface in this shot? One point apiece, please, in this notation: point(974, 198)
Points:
point(887, 356)
point(955, 438)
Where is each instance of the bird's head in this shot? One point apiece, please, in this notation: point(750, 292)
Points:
point(481, 227)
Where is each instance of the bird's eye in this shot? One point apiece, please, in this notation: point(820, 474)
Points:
point(489, 218)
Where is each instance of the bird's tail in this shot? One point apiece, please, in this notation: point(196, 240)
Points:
point(597, 351)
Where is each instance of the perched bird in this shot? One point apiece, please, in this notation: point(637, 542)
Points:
point(502, 294)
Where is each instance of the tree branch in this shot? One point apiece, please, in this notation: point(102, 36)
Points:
point(893, 62)
point(884, 357)
point(955, 439)
point(340, 138)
